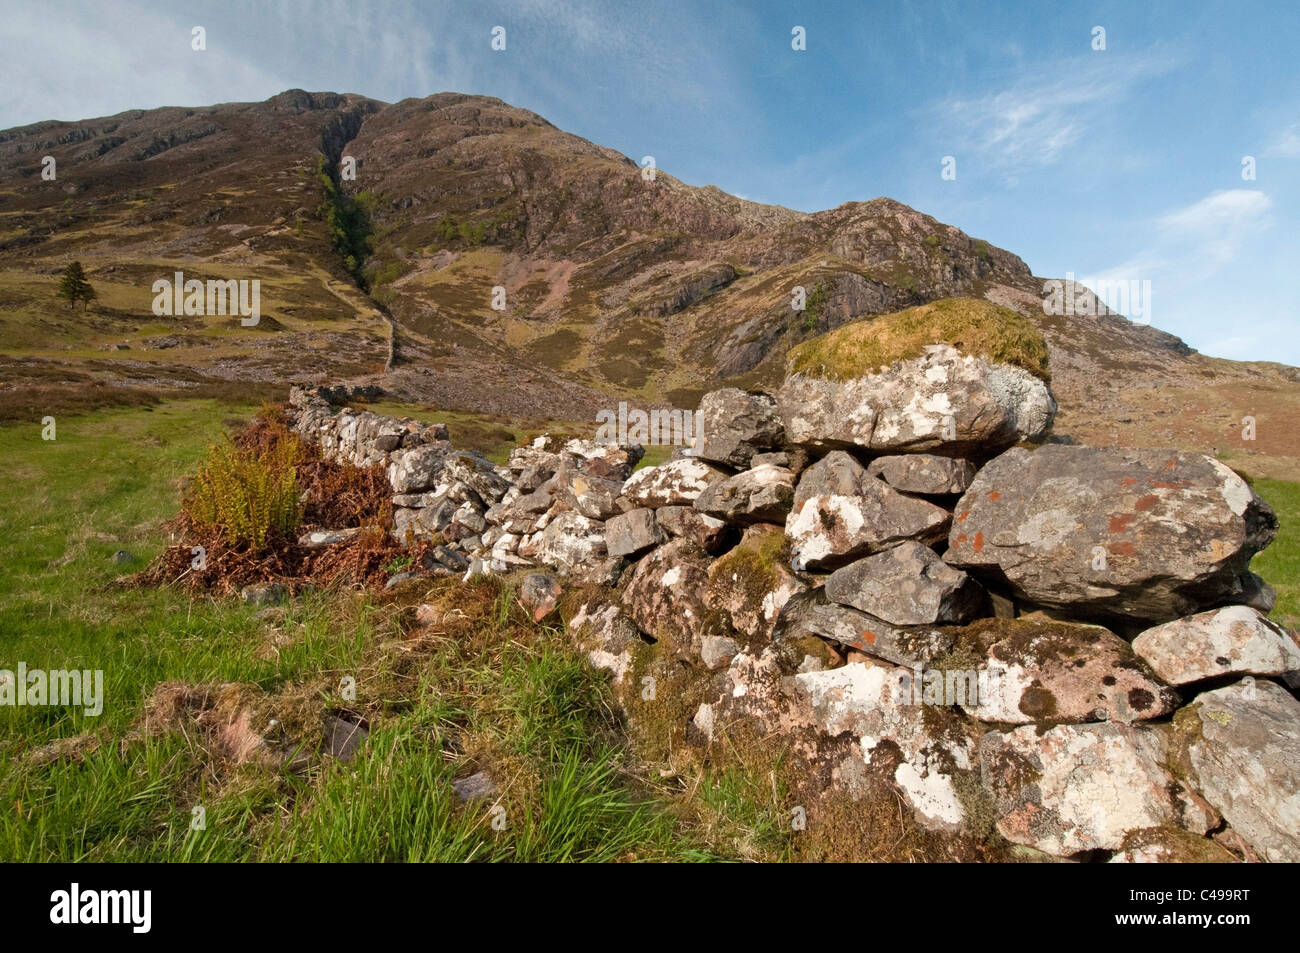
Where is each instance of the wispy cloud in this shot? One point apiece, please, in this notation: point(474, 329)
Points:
point(1287, 145)
point(1035, 122)
point(1213, 228)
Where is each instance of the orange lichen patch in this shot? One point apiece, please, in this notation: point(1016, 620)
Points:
point(962, 517)
point(1128, 481)
point(995, 496)
point(1121, 549)
point(1120, 523)
point(1177, 485)
point(1146, 502)
point(961, 538)
point(868, 637)
point(978, 543)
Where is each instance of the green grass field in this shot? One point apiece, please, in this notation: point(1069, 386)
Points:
point(516, 698)
point(500, 694)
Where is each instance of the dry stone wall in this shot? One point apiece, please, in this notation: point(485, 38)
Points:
point(1067, 637)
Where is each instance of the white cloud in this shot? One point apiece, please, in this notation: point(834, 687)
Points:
point(1213, 229)
point(1034, 123)
point(1287, 145)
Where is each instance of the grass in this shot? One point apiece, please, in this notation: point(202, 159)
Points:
point(1280, 563)
point(491, 690)
point(972, 326)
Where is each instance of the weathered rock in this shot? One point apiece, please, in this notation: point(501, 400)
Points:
point(1047, 673)
point(264, 595)
point(592, 496)
point(445, 557)
point(413, 471)
point(322, 538)
point(571, 542)
point(1241, 744)
point(1149, 534)
point(675, 482)
point(343, 738)
point(924, 473)
point(794, 459)
point(632, 533)
point(936, 747)
point(761, 495)
point(123, 558)
point(906, 585)
point(734, 425)
point(717, 651)
point(476, 472)
point(604, 631)
point(665, 597)
point(840, 513)
point(1074, 788)
point(1227, 641)
point(709, 533)
point(476, 787)
point(943, 400)
point(608, 461)
point(540, 592)
point(751, 583)
point(1170, 845)
point(810, 613)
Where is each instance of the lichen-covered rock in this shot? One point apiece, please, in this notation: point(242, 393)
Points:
point(1241, 745)
point(676, 482)
point(540, 592)
point(1170, 845)
point(872, 703)
point(751, 583)
point(734, 425)
point(810, 613)
point(708, 532)
point(761, 495)
point(840, 513)
point(941, 401)
point(1047, 673)
point(1233, 640)
point(665, 596)
point(570, 542)
point(1149, 534)
point(474, 471)
point(607, 461)
point(632, 533)
point(924, 473)
point(1075, 788)
point(592, 496)
point(413, 471)
point(603, 630)
point(907, 585)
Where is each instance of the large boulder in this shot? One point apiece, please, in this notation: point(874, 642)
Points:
point(907, 585)
point(1242, 751)
point(1052, 672)
point(935, 752)
point(942, 401)
point(1234, 640)
point(761, 495)
point(674, 483)
point(840, 513)
point(734, 425)
point(1076, 788)
point(1147, 534)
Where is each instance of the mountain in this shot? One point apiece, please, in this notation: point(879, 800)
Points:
point(617, 284)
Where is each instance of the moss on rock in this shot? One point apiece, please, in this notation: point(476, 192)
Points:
point(973, 326)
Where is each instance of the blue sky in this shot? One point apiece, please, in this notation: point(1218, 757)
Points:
point(1123, 163)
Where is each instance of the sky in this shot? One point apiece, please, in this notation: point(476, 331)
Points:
point(1166, 150)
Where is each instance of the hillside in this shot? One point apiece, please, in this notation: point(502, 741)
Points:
point(616, 286)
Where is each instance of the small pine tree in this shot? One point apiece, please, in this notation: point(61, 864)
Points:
point(74, 287)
